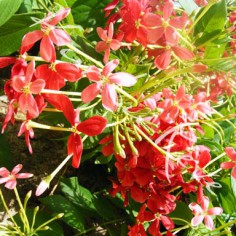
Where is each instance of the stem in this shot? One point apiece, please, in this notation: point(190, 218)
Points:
point(25, 220)
point(225, 225)
point(9, 213)
point(76, 50)
point(89, 107)
point(42, 126)
point(213, 160)
point(120, 90)
point(49, 91)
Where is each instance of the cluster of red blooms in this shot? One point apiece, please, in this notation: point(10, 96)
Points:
point(158, 155)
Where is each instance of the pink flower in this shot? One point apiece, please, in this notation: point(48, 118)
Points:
point(48, 35)
point(26, 87)
point(107, 42)
point(203, 213)
point(164, 25)
point(230, 164)
point(105, 83)
point(10, 177)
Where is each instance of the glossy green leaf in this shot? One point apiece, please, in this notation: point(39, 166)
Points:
point(77, 194)
point(72, 215)
point(13, 31)
point(211, 23)
point(8, 8)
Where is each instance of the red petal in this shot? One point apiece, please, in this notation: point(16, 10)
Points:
point(102, 33)
point(115, 44)
point(59, 37)
point(69, 71)
point(60, 16)
point(29, 72)
point(37, 86)
point(90, 93)
point(18, 82)
point(10, 184)
point(30, 39)
point(32, 106)
point(47, 50)
point(167, 222)
point(92, 126)
point(101, 46)
point(110, 31)
point(93, 74)
point(6, 61)
point(75, 147)
point(230, 153)
point(171, 35)
point(152, 20)
point(167, 10)
point(183, 53)
point(163, 61)
point(109, 67)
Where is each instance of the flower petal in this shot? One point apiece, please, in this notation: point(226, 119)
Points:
point(197, 220)
point(90, 93)
point(215, 211)
point(69, 71)
point(37, 86)
point(110, 66)
point(101, 46)
point(16, 169)
point(59, 16)
point(18, 82)
point(230, 153)
point(92, 126)
point(102, 33)
point(109, 97)
point(11, 184)
point(183, 53)
point(4, 172)
point(59, 37)
point(29, 72)
point(93, 74)
point(24, 175)
point(163, 60)
point(30, 39)
point(195, 207)
point(47, 50)
point(209, 222)
point(123, 79)
point(227, 165)
point(43, 186)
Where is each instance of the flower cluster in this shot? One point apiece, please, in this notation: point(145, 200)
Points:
point(154, 104)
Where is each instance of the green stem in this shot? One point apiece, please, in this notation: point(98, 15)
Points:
point(76, 50)
point(225, 225)
point(9, 213)
point(25, 218)
point(127, 95)
point(213, 160)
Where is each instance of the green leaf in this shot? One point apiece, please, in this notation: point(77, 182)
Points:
point(77, 194)
point(188, 5)
point(13, 31)
point(8, 8)
point(72, 215)
point(226, 196)
point(211, 23)
point(181, 210)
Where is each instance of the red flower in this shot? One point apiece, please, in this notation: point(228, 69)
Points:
point(202, 212)
point(107, 42)
point(10, 177)
point(230, 164)
point(26, 87)
point(56, 74)
point(48, 35)
point(105, 83)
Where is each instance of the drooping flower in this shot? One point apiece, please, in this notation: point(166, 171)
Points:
point(202, 212)
point(105, 83)
point(9, 178)
point(49, 35)
point(26, 87)
point(230, 164)
point(108, 42)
